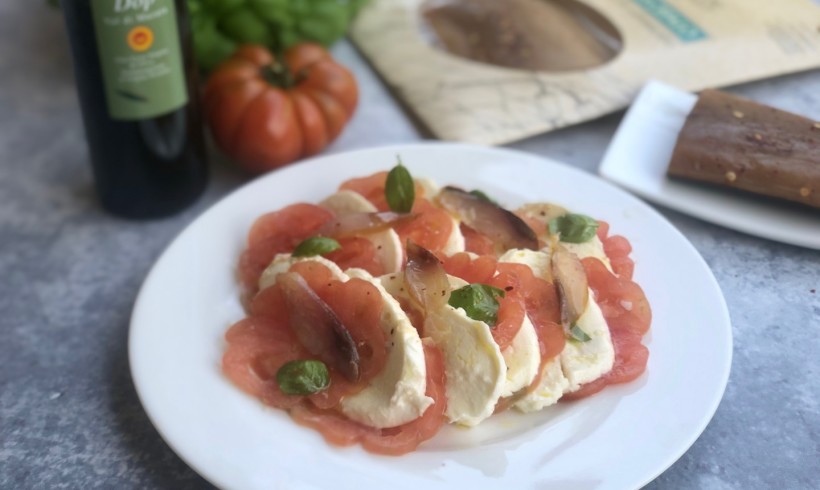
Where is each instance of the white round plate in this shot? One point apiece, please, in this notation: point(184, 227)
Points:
point(620, 438)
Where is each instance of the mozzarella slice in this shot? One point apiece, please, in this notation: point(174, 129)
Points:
point(397, 395)
point(537, 260)
point(552, 382)
point(522, 357)
point(387, 242)
point(583, 362)
point(579, 362)
point(551, 386)
point(283, 262)
point(389, 250)
point(431, 189)
point(346, 202)
point(455, 242)
point(473, 363)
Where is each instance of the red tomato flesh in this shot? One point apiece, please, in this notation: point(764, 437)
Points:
point(626, 310)
point(395, 441)
point(476, 242)
point(479, 270)
point(372, 189)
point(278, 232)
point(358, 252)
point(431, 228)
point(260, 344)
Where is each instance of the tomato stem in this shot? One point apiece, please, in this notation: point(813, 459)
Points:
point(278, 74)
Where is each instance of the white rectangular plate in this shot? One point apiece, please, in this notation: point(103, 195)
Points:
point(639, 155)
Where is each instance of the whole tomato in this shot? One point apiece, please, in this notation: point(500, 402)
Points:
point(265, 113)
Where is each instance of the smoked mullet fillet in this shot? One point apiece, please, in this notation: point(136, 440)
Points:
point(734, 142)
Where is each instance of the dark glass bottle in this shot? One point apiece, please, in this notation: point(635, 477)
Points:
point(137, 83)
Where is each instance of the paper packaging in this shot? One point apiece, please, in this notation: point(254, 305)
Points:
point(693, 44)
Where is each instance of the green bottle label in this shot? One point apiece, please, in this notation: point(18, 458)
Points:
point(140, 56)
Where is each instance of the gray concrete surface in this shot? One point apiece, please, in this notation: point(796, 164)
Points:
point(69, 273)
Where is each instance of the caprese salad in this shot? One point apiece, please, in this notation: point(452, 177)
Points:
point(394, 307)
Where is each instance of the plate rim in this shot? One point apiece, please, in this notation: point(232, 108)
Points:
point(212, 476)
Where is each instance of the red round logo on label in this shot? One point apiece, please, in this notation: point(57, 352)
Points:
point(140, 38)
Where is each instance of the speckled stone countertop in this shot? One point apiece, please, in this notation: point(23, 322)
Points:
point(69, 273)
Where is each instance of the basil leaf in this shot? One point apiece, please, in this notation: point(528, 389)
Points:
point(484, 197)
point(303, 377)
point(574, 228)
point(317, 245)
point(578, 334)
point(400, 190)
point(478, 301)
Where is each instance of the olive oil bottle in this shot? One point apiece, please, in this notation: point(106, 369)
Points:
point(137, 85)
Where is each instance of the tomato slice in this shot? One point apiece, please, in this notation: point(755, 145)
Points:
point(630, 362)
point(617, 246)
point(539, 300)
point(395, 441)
point(479, 270)
point(486, 269)
point(406, 438)
point(431, 229)
point(603, 229)
point(278, 232)
point(617, 249)
point(358, 305)
point(372, 189)
point(537, 226)
point(334, 427)
point(259, 345)
point(628, 314)
point(622, 301)
point(358, 252)
point(476, 242)
point(257, 348)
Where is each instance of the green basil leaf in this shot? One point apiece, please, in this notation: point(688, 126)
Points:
point(303, 377)
point(317, 245)
point(574, 228)
point(578, 334)
point(400, 190)
point(479, 301)
point(484, 197)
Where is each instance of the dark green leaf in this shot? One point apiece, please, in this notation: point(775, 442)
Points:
point(244, 26)
point(317, 245)
point(303, 377)
point(400, 190)
point(574, 228)
point(479, 301)
point(484, 197)
point(578, 334)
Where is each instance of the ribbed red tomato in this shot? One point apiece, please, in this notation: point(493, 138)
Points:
point(265, 113)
